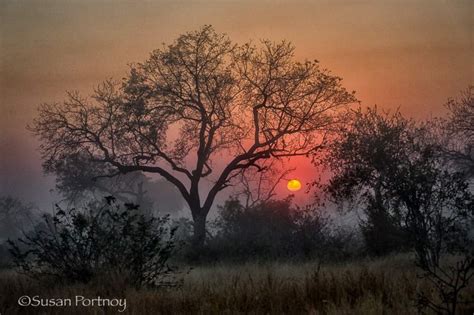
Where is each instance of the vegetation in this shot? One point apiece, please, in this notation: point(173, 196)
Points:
point(382, 286)
point(458, 148)
point(105, 239)
point(276, 230)
point(391, 166)
point(79, 180)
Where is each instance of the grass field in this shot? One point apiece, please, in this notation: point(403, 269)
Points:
point(383, 286)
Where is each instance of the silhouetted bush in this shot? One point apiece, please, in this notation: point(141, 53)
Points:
point(80, 245)
point(274, 230)
point(264, 231)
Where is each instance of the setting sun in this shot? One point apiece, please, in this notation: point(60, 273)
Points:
point(294, 185)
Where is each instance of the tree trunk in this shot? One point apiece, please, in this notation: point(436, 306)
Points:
point(199, 236)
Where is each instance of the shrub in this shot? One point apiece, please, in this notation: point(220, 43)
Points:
point(105, 238)
point(263, 231)
point(274, 229)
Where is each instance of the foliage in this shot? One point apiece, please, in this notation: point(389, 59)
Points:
point(78, 245)
point(274, 229)
point(5, 259)
point(16, 218)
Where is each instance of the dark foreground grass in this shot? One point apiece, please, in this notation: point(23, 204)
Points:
point(385, 286)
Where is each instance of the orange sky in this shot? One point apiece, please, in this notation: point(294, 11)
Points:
point(407, 54)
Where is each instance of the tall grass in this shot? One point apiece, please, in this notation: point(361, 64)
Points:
point(383, 286)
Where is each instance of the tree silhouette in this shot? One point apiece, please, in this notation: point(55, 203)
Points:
point(200, 108)
point(460, 132)
point(412, 199)
point(366, 160)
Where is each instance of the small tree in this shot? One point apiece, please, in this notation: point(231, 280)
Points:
point(443, 226)
point(77, 246)
point(199, 108)
point(365, 158)
point(460, 132)
point(395, 167)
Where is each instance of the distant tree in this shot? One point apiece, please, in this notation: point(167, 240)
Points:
point(79, 179)
point(15, 217)
point(460, 132)
point(191, 104)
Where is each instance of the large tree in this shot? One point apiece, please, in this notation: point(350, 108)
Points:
point(200, 108)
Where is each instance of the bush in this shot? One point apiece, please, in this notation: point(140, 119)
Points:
point(274, 230)
point(106, 238)
point(263, 231)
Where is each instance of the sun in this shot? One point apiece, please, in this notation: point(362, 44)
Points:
point(294, 185)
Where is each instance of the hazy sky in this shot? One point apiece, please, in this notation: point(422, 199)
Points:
point(407, 54)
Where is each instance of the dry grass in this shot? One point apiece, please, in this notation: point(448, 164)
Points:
point(386, 286)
